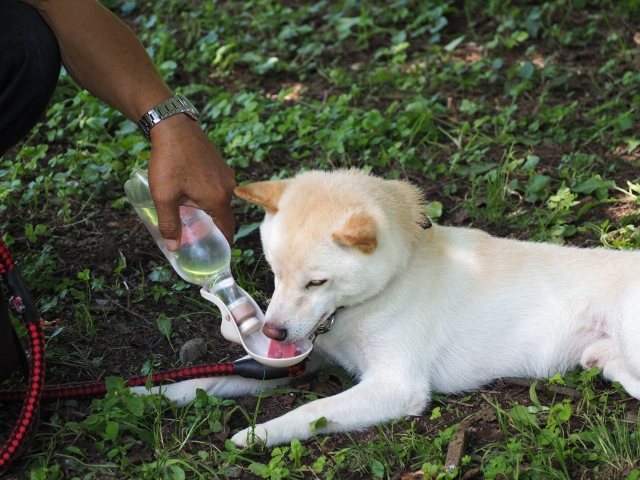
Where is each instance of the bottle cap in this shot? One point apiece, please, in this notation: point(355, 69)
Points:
point(249, 326)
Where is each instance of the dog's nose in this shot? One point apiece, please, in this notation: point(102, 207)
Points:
point(273, 332)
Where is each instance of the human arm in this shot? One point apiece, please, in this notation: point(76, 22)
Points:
point(104, 56)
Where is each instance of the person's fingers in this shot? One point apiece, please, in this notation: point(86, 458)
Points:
point(185, 168)
point(167, 206)
point(225, 221)
point(220, 211)
point(217, 203)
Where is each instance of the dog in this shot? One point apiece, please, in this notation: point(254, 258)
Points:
point(423, 308)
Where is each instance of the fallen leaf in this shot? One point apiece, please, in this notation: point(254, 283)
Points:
point(326, 448)
point(222, 435)
point(461, 216)
point(471, 473)
point(485, 416)
point(122, 329)
point(413, 475)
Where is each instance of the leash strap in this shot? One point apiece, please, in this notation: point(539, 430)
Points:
point(24, 431)
point(244, 367)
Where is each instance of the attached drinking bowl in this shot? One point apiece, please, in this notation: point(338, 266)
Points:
point(260, 347)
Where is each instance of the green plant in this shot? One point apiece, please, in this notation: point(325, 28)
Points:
point(518, 117)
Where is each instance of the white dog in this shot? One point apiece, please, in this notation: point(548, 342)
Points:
point(422, 309)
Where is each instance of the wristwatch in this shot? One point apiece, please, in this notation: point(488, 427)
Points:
point(177, 104)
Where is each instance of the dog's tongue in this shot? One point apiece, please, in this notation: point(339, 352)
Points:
point(282, 350)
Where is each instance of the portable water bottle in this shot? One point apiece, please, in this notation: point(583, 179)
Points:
point(204, 259)
point(204, 255)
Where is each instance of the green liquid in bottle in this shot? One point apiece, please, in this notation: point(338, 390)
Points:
point(204, 253)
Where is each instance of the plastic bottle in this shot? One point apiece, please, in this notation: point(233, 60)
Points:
point(204, 255)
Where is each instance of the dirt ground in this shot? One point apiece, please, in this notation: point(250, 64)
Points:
point(126, 334)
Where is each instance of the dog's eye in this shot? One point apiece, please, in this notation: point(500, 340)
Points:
point(316, 283)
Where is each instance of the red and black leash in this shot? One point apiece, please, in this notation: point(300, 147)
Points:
point(245, 367)
point(35, 392)
point(29, 414)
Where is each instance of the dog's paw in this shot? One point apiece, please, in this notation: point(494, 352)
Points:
point(251, 435)
point(181, 393)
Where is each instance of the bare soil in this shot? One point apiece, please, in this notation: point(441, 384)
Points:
point(126, 334)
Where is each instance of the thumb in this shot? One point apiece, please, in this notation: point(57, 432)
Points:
point(169, 222)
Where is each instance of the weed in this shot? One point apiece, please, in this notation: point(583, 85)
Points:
point(523, 113)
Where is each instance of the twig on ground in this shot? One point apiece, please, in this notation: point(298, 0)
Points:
point(77, 367)
point(112, 300)
point(80, 433)
point(456, 402)
point(150, 254)
point(79, 415)
point(472, 473)
point(628, 25)
point(523, 382)
point(455, 452)
point(625, 400)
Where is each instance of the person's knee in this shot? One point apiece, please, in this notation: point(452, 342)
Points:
point(29, 69)
point(29, 48)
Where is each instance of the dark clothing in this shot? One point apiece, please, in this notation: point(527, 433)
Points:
point(11, 353)
point(29, 69)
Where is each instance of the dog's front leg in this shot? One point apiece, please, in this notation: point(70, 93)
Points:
point(373, 401)
point(181, 393)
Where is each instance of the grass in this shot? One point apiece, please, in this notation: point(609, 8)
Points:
point(516, 117)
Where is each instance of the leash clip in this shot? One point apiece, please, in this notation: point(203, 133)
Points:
point(16, 302)
point(324, 327)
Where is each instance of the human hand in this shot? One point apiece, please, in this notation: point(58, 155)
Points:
point(185, 168)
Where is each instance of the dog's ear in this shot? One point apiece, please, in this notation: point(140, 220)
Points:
point(359, 231)
point(265, 194)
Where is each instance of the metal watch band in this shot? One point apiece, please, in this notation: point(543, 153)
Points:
point(178, 104)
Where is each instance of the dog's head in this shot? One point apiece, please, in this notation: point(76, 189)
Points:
point(332, 240)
